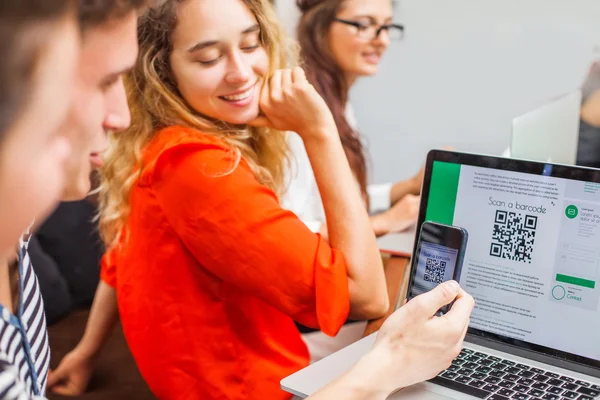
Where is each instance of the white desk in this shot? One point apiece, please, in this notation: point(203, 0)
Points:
point(398, 244)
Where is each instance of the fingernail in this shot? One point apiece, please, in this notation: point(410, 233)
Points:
point(454, 285)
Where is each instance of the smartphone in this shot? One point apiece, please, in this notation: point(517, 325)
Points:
point(438, 258)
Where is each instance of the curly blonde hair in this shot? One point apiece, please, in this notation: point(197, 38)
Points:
point(155, 103)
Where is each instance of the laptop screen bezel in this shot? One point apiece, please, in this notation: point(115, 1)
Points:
point(507, 164)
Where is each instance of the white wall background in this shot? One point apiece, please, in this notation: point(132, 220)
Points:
point(464, 69)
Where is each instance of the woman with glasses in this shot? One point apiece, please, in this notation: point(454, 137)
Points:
point(341, 41)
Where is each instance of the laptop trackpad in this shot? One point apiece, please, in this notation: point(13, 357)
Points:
point(417, 392)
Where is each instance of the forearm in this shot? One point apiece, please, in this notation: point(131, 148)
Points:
point(102, 319)
point(348, 225)
point(366, 380)
point(401, 189)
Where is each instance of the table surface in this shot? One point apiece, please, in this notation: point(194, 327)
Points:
point(398, 244)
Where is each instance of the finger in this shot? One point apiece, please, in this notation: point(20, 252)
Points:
point(429, 303)
point(286, 80)
point(260, 122)
point(460, 312)
point(298, 75)
point(275, 83)
point(63, 390)
point(54, 377)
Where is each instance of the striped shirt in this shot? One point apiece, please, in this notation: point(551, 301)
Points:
point(24, 347)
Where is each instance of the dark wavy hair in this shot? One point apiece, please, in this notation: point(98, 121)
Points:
point(25, 27)
point(326, 76)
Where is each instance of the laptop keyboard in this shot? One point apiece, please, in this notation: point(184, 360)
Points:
point(492, 378)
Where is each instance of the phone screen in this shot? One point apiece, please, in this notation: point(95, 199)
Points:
point(439, 256)
point(436, 263)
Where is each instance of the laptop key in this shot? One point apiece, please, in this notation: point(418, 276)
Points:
point(512, 370)
point(526, 381)
point(491, 388)
point(526, 374)
point(512, 377)
point(522, 366)
point(541, 378)
point(508, 362)
point(463, 379)
point(567, 379)
point(477, 384)
point(554, 390)
point(569, 395)
point(494, 358)
point(540, 386)
point(569, 386)
point(470, 365)
point(471, 358)
point(492, 379)
point(485, 361)
point(521, 388)
point(497, 374)
point(483, 370)
point(499, 366)
point(520, 396)
point(506, 384)
point(555, 382)
point(496, 396)
point(464, 371)
point(584, 397)
point(461, 387)
point(479, 354)
point(596, 387)
point(478, 375)
point(551, 374)
point(549, 396)
point(536, 392)
point(588, 392)
point(449, 375)
point(467, 351)
point(458, 362)
point(506, 392)
point(453, 368)
point(537, 370)
point(582, 383)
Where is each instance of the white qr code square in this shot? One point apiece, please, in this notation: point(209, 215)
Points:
point(435, 270)
point(513, 237)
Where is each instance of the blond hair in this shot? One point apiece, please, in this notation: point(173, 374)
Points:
point(155, 104)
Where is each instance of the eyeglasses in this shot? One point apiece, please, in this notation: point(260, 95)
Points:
point(371, 31)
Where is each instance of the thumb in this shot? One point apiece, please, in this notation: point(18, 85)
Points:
point(53, 377)
point(63, 390)
point(430, 302)
point(260, 121)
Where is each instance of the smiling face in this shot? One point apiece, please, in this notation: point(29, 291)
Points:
point(356, 56)
point(218, 60)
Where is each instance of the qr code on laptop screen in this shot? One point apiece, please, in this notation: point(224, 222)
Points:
point(434, 270)
point(513, 237)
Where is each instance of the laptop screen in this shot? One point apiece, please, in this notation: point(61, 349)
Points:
point(532, 262)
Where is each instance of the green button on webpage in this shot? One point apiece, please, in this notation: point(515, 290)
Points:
point(576, 281)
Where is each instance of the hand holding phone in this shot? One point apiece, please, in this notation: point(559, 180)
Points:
point(438, 258)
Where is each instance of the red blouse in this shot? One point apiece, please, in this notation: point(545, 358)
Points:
point(214, 273)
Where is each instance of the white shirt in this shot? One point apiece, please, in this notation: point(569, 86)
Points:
point(302, 196)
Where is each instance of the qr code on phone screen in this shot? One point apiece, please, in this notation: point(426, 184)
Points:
point(434, 270)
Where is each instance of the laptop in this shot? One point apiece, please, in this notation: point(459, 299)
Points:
point(532, 265)
point(549, 133)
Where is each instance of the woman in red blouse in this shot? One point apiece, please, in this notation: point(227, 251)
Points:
point(210, 272)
